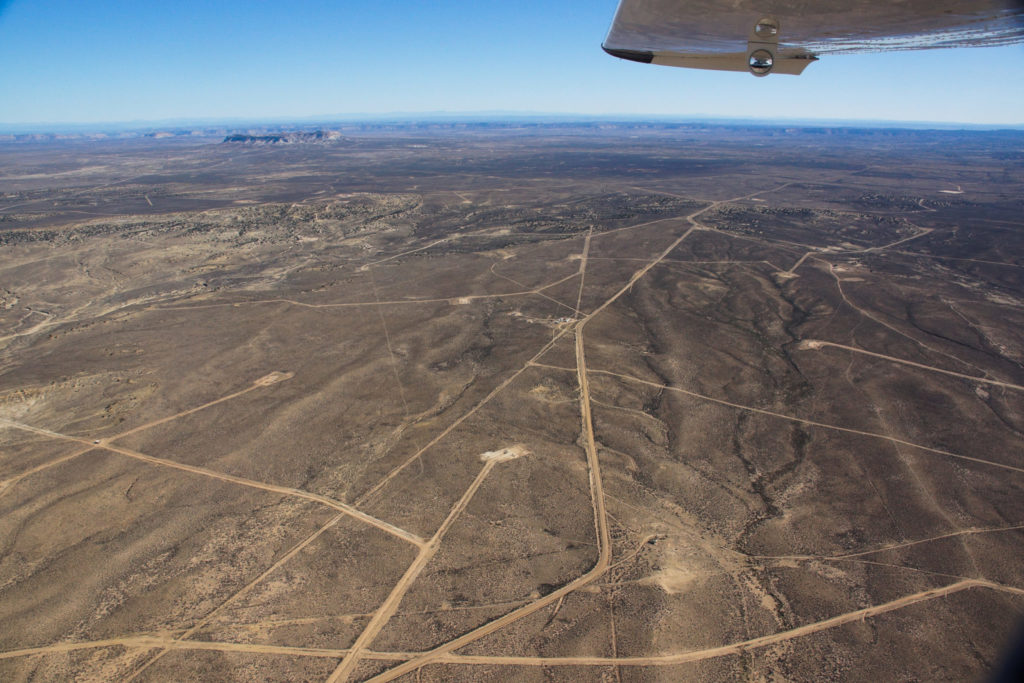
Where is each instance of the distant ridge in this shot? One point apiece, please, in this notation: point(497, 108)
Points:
point(293, 138)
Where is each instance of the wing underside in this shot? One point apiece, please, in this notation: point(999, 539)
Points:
point(725, 34)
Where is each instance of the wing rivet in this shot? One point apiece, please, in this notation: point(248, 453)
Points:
point(767, 28)
point(761, 62)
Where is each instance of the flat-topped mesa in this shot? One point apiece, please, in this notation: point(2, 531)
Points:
point(292, 138)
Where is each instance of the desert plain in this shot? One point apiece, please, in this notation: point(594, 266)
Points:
point(482, 402)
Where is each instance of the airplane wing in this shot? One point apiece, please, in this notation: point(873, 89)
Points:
point(784, 36)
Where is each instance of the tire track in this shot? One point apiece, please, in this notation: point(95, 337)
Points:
point(230, 478)
point(742, 646)
point(391, 603)
point(791, 418)
point(813, 344)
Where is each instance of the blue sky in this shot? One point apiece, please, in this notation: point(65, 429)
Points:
point(107, 60)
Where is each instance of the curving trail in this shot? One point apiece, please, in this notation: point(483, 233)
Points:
point(791, 418)
point(596, 487)
point(894, 546)
point(264, 381)
point(151, 642)
point(954, 258)
point(446, 653)
point(462, 418)
point(284, 490)
point(735, 648)
point(8, 483)
point(181, 641)
point(383, 482)
point(539, 292)
point(817, 343)
point(230, 478)
point(357, 304)
point(893, 328)
point(390, 604)
point(447, 658)
point(604, 546)
point(583, 268)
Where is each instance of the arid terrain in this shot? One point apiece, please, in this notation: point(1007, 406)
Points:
point(470, 402)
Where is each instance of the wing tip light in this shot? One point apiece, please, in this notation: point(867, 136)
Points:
point(642, 56)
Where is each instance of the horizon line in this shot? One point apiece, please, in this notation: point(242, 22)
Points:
point(481, 116)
